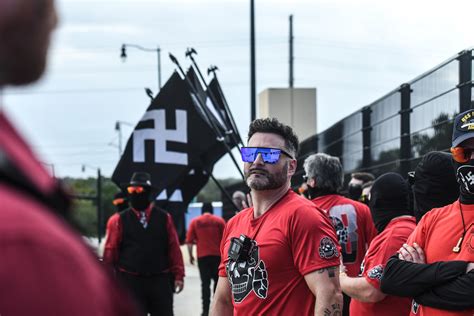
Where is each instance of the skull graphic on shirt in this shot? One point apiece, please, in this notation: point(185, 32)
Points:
point(247, 276)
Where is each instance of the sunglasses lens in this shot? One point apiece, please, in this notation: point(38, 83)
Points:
point(135, 190)
point(269, 155)
point(248, 154)
point(461, 154)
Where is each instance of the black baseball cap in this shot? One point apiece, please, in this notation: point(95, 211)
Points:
point(463, 128)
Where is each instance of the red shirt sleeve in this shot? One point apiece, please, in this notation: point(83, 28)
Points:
point(175, 255)
point(191, 235)
point(114, 238)
point(313, 240)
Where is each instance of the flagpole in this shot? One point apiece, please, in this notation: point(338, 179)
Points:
point(216, 130)
point(189, 53)
point(226, 106)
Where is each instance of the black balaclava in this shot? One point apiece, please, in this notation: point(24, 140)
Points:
point(122, 206)
point(354, 191)
point(435, 183)
point(465, 179)
point(388, 199)
point(140, 201)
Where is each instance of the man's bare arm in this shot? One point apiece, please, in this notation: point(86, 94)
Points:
point(324, 283)
point(222, 301)
point(360, 289)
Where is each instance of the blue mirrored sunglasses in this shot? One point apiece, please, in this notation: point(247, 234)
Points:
point(269, 155)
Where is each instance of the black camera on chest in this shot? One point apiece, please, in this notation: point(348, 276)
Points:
point(240, 248)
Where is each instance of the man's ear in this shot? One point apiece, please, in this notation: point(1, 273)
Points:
point(311, 182)
point(292, 167)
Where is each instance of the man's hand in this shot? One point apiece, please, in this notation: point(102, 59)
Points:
point(178, 286)
point(191, 259)
point(412, 254)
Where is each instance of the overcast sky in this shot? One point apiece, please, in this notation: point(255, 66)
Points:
point(353, 52)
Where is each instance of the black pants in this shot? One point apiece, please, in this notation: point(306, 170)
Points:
point(208, 267)
point(154, 294)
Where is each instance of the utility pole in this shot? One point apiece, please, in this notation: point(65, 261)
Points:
point(252, 62)
point(291, 51)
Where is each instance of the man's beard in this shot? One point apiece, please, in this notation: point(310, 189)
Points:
point(267, 181)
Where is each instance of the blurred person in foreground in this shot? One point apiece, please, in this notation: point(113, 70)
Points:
point(351, 219)
point(143, 248)
point(389, 205)
point(280, 256)
point(45, 268)
point(431, 267)
point(206, 232)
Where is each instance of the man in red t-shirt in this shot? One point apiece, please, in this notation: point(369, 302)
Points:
point(389, 204)
point(206, 232)
point(45, 267)
point(279, 257)
point(351, 219)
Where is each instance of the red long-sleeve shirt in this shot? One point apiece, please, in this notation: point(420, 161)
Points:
point(114, 238)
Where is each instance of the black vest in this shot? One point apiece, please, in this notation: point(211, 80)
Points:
point(144, 251)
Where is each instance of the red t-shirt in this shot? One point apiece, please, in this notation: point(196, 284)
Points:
point(206, 232)
point(354, 227)
point(45, 268)
point(437, 233)
point(290, 240)
point(384, 245)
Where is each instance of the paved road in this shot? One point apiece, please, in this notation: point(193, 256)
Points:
point(188, 302)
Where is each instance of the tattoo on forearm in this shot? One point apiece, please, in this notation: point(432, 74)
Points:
point(331, 271)
point(335, 310)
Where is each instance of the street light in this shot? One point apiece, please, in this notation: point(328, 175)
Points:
point(123, 55)
point(118, 128)
point(98, 199)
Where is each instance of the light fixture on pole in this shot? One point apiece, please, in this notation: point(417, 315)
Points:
point(123, 56)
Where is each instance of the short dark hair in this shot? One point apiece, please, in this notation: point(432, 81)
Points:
point(207, 208)
point(363, 176)
point(272, 125)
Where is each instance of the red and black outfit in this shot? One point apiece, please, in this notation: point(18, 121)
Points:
point(206, 231)
point(290, 240)
point(45, 268)
point(382, 247)
point(354, 228)
point(147, 259)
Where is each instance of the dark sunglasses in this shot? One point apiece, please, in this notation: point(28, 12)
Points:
point(305, 177)
point(461, 154)
point(269, 155)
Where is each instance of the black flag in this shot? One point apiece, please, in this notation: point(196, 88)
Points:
point(175, 143)
point(223, 108)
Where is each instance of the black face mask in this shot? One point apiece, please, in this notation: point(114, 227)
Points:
point(355, 191)
point(140, 201)
point(389, 199)
point(465, 178)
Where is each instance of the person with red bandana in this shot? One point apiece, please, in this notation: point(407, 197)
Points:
point(45, 267)
point(389, 205)
point(143, 248)
point(206, 232)
point(280, 256)
point(351, 219)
